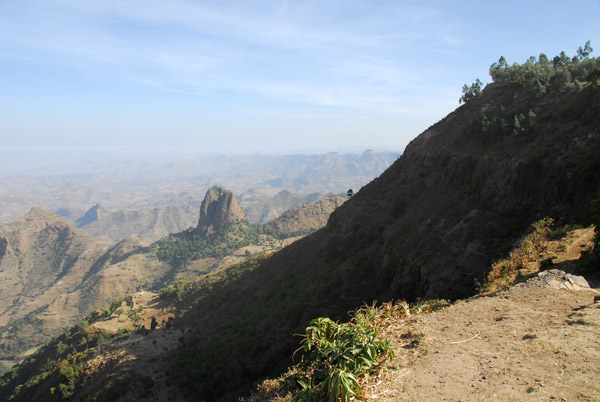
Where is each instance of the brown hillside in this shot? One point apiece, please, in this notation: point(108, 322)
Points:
point(52, 275)
point(307, 217)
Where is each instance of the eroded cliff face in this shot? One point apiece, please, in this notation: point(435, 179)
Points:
point(219, 208)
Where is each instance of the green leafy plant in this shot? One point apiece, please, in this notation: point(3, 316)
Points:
point(470, 92)
point(336, 357)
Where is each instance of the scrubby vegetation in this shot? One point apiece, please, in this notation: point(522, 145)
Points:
point(182, 248)
point(539, 76)
point(56, 367)
point(337, 355)
point(337, 358)
point(20, 334)
point(506, 271)
point(542, 75)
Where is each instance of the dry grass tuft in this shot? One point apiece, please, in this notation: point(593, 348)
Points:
point(506, 271)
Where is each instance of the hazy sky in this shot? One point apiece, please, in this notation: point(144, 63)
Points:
point(257, 76)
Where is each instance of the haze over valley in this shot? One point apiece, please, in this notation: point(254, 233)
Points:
point(151, 199)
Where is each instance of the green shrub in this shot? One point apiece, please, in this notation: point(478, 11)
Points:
point(337, 355)
point(542, 76)
point(470, 92)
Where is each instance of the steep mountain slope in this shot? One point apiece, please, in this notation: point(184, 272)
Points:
point(457, 199)
point(534, 341)
point(148, 224)
point(43, 259)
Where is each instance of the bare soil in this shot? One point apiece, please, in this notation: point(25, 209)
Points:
point(530, 343)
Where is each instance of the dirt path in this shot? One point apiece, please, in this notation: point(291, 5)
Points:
point(530, 343)
point(527, 345)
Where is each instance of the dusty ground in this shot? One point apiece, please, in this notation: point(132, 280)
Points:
point(530, 343)
point(526, 345)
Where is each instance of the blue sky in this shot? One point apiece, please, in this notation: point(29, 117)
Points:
point(257, 76)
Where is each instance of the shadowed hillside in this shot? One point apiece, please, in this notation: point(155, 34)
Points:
point(430, 226)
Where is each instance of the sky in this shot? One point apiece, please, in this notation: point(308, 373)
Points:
point(241, 77)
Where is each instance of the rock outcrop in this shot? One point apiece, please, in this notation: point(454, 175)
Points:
point(219, 208)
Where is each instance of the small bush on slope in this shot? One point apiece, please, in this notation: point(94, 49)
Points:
point(337, 355)
point(504, 272)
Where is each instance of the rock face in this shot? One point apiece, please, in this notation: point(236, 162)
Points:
point(219, 208)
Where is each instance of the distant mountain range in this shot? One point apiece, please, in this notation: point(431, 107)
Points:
point(255, 179)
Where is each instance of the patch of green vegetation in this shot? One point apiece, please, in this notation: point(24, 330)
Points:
point(496, 125)
point(175, 291)
point(543, 75)
point(56, 367)
point(470, 92)
point(179, 250)
point(337, 355)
